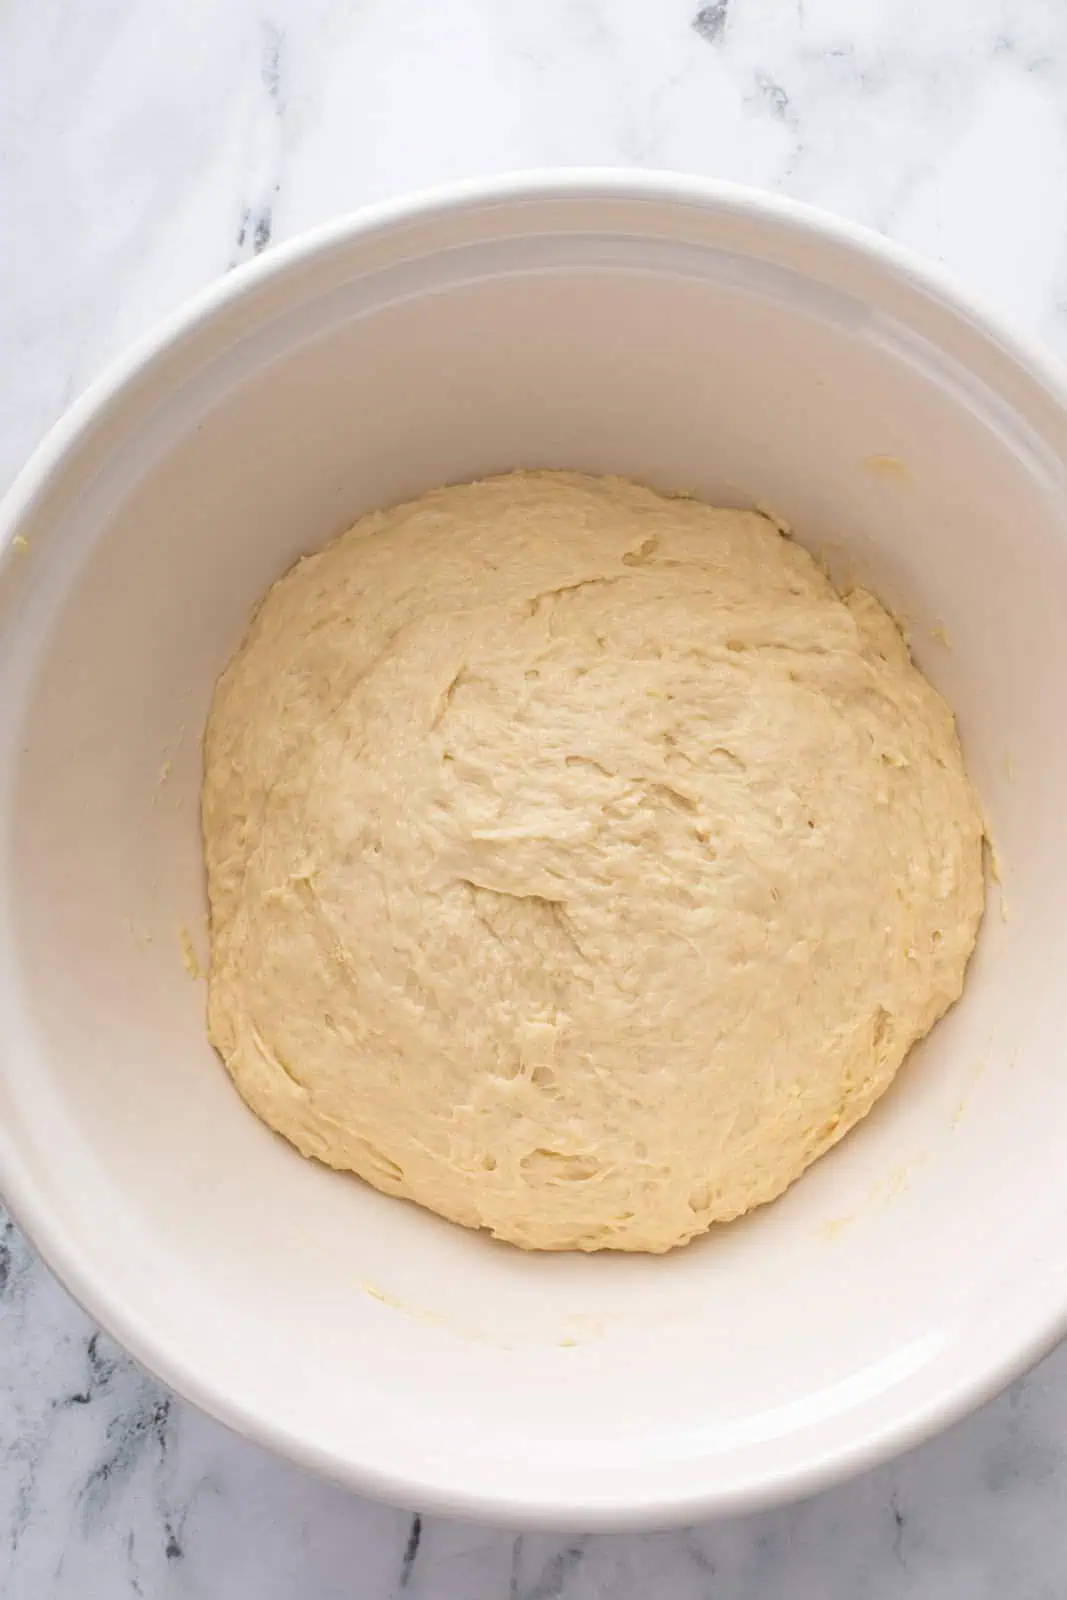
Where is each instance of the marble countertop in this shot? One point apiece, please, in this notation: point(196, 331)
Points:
point(147, 146)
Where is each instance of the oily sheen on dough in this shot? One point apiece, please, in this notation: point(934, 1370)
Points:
point(582, 865)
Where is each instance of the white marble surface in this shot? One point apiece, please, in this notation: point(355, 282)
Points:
point(148, 145)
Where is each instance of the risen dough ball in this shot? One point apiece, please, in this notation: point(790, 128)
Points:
point(582, 865)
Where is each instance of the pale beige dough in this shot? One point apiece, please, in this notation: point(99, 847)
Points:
point(582, 865)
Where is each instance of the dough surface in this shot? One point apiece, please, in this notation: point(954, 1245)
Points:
point(582, 865)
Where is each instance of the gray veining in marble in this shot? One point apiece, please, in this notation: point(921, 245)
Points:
point(147, 146)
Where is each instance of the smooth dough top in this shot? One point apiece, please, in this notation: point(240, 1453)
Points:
point(582, 865)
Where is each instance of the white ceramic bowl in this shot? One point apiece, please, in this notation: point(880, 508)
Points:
point(699, 336)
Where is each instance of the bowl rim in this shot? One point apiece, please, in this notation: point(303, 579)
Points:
point(30, 1205)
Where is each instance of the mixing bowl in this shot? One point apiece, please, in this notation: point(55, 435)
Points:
point(700, 337)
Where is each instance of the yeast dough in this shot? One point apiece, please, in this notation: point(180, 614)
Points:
point(582, 865)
